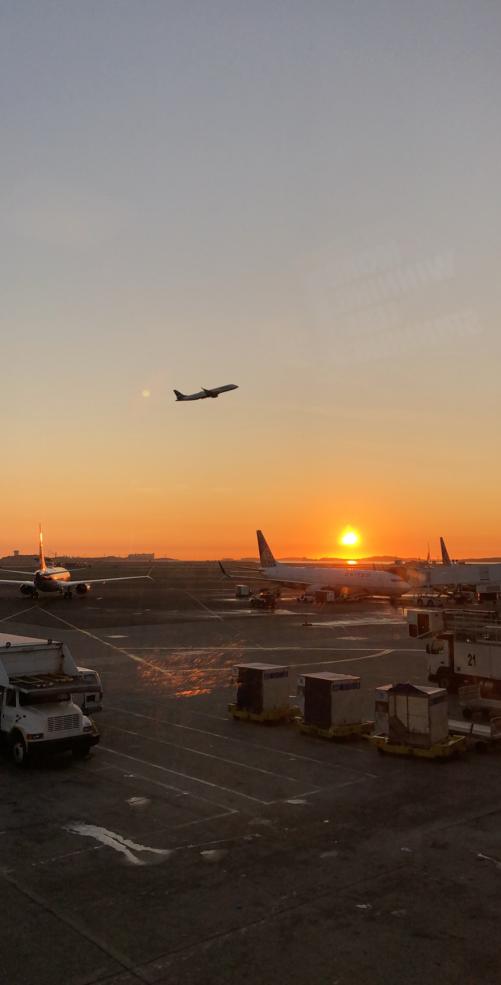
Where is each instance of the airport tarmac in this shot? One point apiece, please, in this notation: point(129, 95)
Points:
point(189, 848)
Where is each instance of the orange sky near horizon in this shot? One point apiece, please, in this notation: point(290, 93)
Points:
point(300, 202)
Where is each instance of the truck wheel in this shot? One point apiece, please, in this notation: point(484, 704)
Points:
point(80, 752)
point(18, 750)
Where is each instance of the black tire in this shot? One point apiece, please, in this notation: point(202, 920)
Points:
point(18, 750)
point(443, 680)
point(80, 752)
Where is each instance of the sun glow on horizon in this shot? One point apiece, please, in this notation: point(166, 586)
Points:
point(349, 537)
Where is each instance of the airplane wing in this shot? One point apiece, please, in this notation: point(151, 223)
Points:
point(240, 572)
point(101, 581)
point(15, 571)
point(215, 391)
point(11, 581)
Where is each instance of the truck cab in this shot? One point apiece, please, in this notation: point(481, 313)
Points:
point(39, 680)
point(49, 722)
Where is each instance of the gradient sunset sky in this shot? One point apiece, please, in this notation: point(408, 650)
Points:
point(301, 198)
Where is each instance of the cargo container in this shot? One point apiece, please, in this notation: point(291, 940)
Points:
point(261, 688)
point(242, 591)
point(330, 700)
point(425, 622)
point(381, 709)
point(324, 596)
point(417, 715)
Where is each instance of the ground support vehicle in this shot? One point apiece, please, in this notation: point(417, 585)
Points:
point(37, 713)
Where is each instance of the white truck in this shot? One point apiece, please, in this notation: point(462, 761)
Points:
point(469, 665)
point(38, 681)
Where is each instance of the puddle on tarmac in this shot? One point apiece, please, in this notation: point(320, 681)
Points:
point(214, 854)
point(138, 801)
point(124, 846)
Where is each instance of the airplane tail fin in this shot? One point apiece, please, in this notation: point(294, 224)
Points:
point(265, 554)
point(179, 395)
point(445, 553)
point(41, 554)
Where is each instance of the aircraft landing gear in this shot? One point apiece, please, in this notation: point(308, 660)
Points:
point(68, 594)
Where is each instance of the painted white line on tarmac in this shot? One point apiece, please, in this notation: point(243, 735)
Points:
point(14, 615)
point(187, 776)
point(238, 648)
point(169, 786)
point(213, 615)
point(332, 786)
point(348, 660)
point(292, 755)
point(207, 755)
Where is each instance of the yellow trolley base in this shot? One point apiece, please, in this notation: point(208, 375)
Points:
point(337, 731)
point(266, 717)
point(454, 745)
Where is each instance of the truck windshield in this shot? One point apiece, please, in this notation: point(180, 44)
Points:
point(43, 699)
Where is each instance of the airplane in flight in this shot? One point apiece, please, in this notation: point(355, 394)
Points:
point(53, 580)
point(204, 392)
point(363, 581)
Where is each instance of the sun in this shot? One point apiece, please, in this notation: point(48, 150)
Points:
point(349, 537)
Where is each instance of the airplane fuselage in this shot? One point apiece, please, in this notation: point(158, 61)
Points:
point(337, 579)
point(462, 574)
point(50, 580)
point(205, 392)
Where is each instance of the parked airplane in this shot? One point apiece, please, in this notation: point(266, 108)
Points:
point(51, 580)
point(375, 581)
point(460, 576)
point(204, 393)
point(445, 553)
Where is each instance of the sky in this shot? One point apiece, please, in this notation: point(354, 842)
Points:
point(298, 197)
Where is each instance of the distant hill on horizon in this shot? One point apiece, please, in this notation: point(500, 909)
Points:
point(375, 559)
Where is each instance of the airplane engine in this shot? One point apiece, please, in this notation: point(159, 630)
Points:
point(82, 589)
point(27, 590)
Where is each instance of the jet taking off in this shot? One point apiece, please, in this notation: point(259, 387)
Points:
point(360, 580)
point(52, 581)
point(204, 393)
